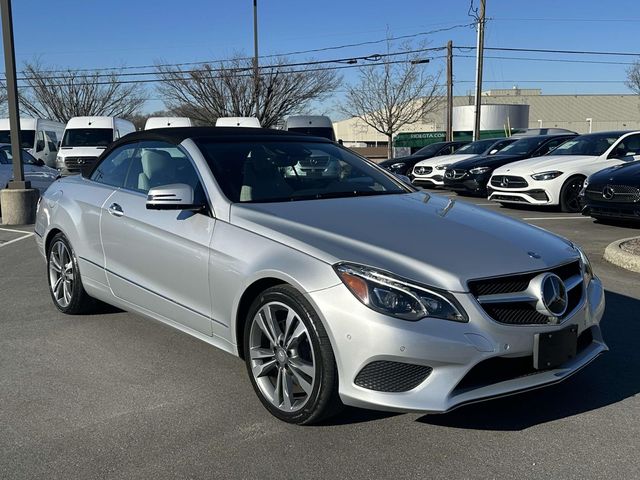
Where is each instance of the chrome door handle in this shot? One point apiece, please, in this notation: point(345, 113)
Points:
point(115, 210)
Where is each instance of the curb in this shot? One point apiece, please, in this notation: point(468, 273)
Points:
point(614, 254)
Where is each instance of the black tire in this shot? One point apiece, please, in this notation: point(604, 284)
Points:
point(77, 301)
point(569, 201)
point(323, 400)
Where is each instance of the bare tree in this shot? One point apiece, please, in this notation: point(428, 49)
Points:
point(227, 89)
point(60, 95)
point(633, 77)
point(393, 94)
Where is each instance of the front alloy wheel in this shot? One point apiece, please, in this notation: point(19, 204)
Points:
point(289, 357)
point(65, 284)
point(570, 195)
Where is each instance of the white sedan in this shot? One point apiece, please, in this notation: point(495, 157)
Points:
point(430, 172)
point(558, 177)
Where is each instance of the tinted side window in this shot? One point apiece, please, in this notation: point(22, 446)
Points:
point(159, 163)
point(113, 169)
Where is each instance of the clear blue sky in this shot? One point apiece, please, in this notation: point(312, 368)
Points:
point(92, 33)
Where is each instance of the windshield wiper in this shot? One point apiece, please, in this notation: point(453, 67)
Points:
point(325, 195)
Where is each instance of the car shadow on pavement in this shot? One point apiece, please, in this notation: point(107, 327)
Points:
point(609, 379)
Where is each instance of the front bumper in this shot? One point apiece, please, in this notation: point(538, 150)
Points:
point(535, 193)
point(613, 210)
point(435, 178)
point(360, 336)
point(472, 184)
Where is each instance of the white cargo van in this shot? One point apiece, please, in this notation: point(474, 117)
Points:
point(317, 125)
point(38, 136)
point(167, 122)
point(252, 122)
point(85, 138)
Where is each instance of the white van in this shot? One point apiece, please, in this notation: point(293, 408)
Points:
point(38, 136)
point(317, 125)
point(85, 138)
point(251, 122)
point(167, 122)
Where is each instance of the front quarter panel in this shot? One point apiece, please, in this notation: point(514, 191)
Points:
point(239, 258)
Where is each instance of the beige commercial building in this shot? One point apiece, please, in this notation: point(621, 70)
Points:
point(579, 113)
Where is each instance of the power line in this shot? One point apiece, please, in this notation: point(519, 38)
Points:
point(545, 50)
point(370, 58)
point(560, 60)
point(274, 55)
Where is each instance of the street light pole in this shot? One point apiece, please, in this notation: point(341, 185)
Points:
point(479, 62)
point(18, 181)
point(256, 70)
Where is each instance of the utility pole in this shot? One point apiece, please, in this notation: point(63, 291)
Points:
point(479, 62)
point(12, 95)
point(256, 70)
point(449, 136)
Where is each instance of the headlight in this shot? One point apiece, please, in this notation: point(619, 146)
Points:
point(587, 270)
point(585, 183)
point(546, 175)
point(394, 296)
point(479, 170)
point(59, 160)
point(398, 165)
point(441, 167)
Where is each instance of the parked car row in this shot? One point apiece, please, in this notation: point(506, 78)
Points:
point(594, 173)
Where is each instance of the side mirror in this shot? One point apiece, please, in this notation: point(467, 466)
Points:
point(493, 152)
point(40, 162)
point(177, 196)
point(39, 145)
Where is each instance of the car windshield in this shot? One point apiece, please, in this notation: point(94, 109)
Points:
point(6, 157)
point(475, 148)
point(592, 144)
point(498, 146)
point(281, 171)
point(87, 137)
point(27, 137)
point(524, 146)
point(429, 149)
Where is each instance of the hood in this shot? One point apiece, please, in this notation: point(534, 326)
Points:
point(547, 163)
point(426, 238)
point(80, 151)
point(445, 159)
point(626, 174)
point(493, 161)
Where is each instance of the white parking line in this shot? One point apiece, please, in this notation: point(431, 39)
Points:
point(12, 230)
point(558, 218)
point(16, 239)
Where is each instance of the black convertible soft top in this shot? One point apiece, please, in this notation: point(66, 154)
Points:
point(178, 134)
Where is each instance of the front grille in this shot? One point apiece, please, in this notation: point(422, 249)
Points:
point(420, 170)
point(613, 193)
point(78, 163)
point(500, 369)
point(386, 376)
point(524, 313)
point(314, 162)
point(508, 181)
point(509, 198)
point(601, 211)
point(455, 174)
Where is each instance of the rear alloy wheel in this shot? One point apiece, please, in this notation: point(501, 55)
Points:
point(289, 357)
point(569, 195)
point(65, 284)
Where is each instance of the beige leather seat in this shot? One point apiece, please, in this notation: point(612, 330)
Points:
point(158, 168)
point(262, 179)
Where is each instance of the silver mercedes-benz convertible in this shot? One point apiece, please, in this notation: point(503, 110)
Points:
point(346, 286)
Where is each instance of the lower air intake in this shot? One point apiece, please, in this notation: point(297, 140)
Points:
point(385, 376)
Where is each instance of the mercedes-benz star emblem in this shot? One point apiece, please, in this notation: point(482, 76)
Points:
point(81, 161)
point(608, 192)
point(554, 295)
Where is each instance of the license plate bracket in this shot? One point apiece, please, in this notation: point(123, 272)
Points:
point(552, 349)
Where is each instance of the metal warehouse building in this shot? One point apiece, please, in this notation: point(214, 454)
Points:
point(579, 113)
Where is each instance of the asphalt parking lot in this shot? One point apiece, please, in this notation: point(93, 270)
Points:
point(114, 395)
